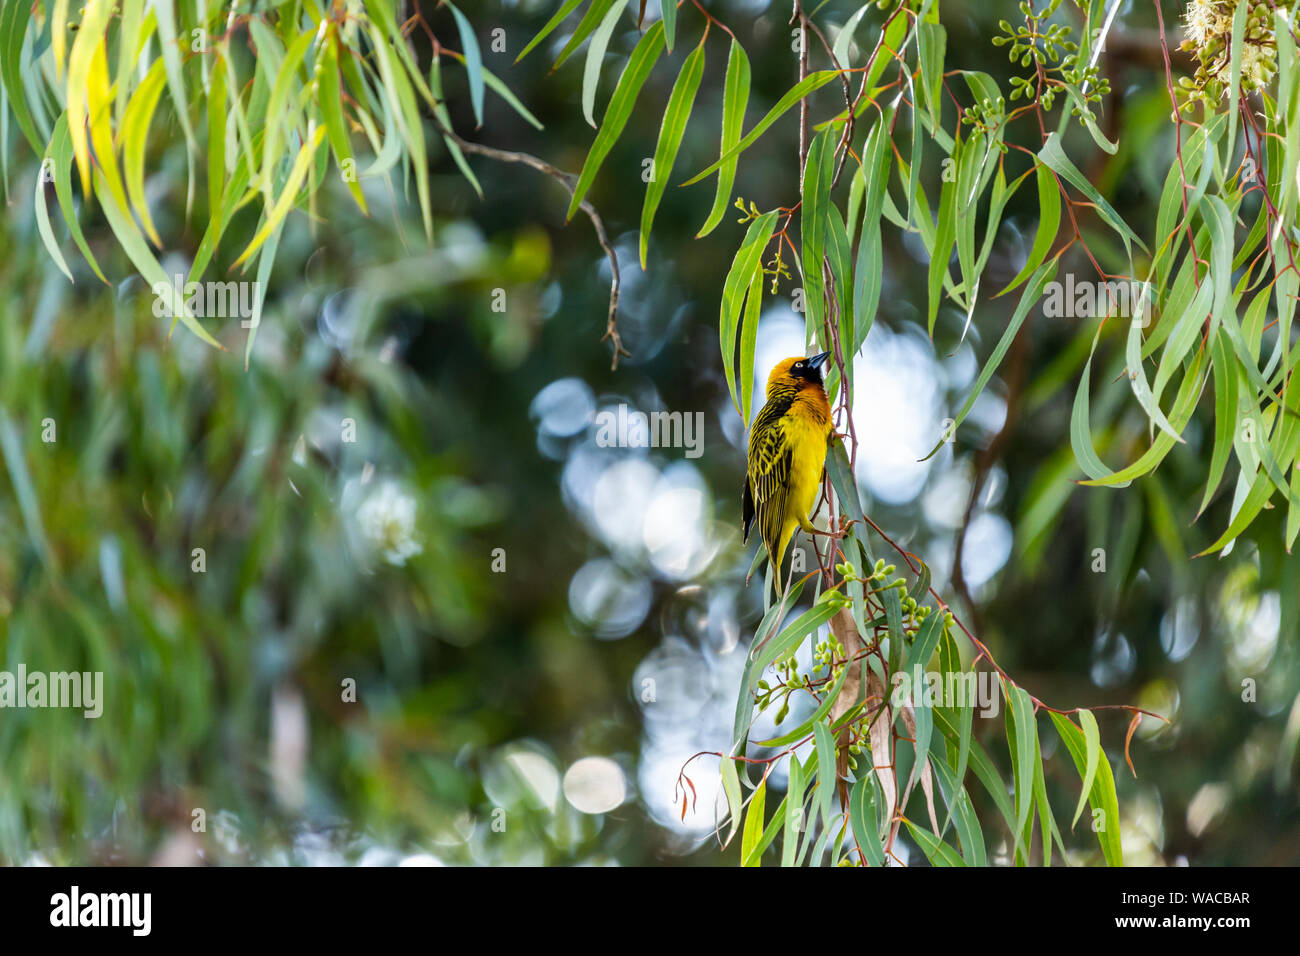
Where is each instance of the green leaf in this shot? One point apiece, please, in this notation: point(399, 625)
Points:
point(130, 39)
point(961, 812)
point(794, 822)
point(894, 620)
point(810, 83)
point(1184, 404)
point(560, 14)
point(43, 228)
point(401, 101)
point(1102, 794)
point(1092, 747)
point(1049, 221)
point(440, 111)
point(135, 131)
point(1024, 752)
point(1234, 70)
point(473, 62)
point(935, 850)
point(748, 340)
point(1138, 381)
point(864, 817)
point(286, 81)
point(1046, 818)
point(826, 774)
point(629, 86)
point(382, 16)
point(735, 96)
point(171, 54)
point(133, 244)
point(731, 787)
point(945, 238)
point(774, 826)
point(750, 851)
point(596, 59)
point(794, 634)
point(669, 10)
point(744, 267)
point(60, 155)
point(964, 739)
point(839, 253)
point(980, 763)
point(891, 46)
point(1055, 157)
point(503, 91)
point(842, 479)
point(90, 36)
point(586, 26)
point(840, 50)
point(1225, 412)
point(235, 192)
point(812, 226)
point(932, 42)
point(868, 277)
point(217, 116)
point(1080, 428)
point(676, 115)
point(331, 104)
point(14, 17)
point(744, 702)
point(288, 195)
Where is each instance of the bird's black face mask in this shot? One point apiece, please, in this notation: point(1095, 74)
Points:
point(811, 367)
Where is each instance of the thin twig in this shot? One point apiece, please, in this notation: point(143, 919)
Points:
point(803, 73)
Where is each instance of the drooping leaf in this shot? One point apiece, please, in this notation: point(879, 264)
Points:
point(1092, 747)
point(568, 7)
point(473, 62)
point(746, 264)
point(676, 115)
point(596, 58)
point(735, 96)
point(14, 17)
point(638, 68)
point(1102, 794)
point(288, 196)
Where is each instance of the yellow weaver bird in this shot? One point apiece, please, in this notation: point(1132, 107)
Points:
point(787, 455)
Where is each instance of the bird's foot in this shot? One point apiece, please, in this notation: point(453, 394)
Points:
point(843, 532)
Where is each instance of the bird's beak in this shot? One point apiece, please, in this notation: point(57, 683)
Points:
point(818, 360)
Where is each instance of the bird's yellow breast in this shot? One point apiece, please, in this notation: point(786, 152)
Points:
point(806, 436)
point(805, 427)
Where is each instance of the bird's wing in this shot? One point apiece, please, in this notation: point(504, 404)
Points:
point(746, 510)
point(769, 480)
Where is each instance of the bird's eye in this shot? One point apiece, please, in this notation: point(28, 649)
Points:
point(798, 364)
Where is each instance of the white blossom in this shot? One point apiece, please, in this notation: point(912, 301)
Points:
point(387, 521)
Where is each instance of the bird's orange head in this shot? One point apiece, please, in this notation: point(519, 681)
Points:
point(797, 373)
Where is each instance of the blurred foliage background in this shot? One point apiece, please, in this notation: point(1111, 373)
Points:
point(404, 490)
